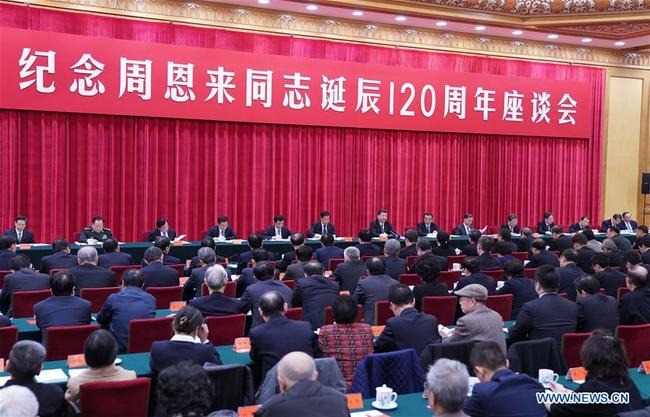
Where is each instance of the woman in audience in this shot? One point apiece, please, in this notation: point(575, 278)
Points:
point(190, 342)
point(346, 341)
point(604, 359)
point(428, 270)
point(100, 351)
point(184, 390)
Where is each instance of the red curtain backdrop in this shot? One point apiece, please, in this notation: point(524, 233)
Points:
point(60, 169)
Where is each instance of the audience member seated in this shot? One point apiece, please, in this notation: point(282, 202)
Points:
point(504, 252)
point(550, 315)
point(410, 239)
point(374, 288)
point(616, 256)
point(546, 225)
point(348, 273)
point(604, 359)
point(634, 307)
point(23, 278)
point(17, 401)
point(569, 273)
point(472, 275)
point(60, 259)
point(501, 392)
point(521, 287)
point(446, 388)
point(7, 251)
point(428, 270)
point(247, 276)
point(366, 248)
point(216, 303)
point(525, 240)
point(264, 273)
point(585, 253)
point(623, 244)
point(161, 230)
point(641, 232)
point(24, 363)
point(314, 293)
point(592, 243)
point(395, 266)
point(62, 308)
point(610, 279)
point(486, 261)
point(295, 271)
point(184, 390)
point(595, 310)
point(470, 248)
point(644, 249)
point(346, 341)
point(506, 237)
point(155, 274)
point(88, 274)
point(424, 251)
point(632, 260)
point(112, 255)
point(205, 243)
point(189, 343)
point(559, 241)
point(193, 285)
point(279, 335)
point(130, 303)
point(443, 248)
point(100, 352)
point(300, 391)
point(255, 241)
point(541, 256)
point(328, 251)
point(409, 328)
point(165, 245)
point(479, 323)
point(297, 240)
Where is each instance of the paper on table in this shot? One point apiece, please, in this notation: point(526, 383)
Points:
point(75, 372)
point(181, 237)
point(53, 376)
point(4, 379)
point(369, 413)
point(41, 244)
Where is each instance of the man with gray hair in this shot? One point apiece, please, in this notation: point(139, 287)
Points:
point(216, 303)
point(395, 266)
point(447, 385)
point(301, 391)
point(616, 256)
point(25, 361)
point(348, 273)
point(18, 401)
point(193, 285)
point(88, 274)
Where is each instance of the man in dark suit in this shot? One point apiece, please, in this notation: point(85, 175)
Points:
point(427, 226)
point(395, 266)
point(616, 256)
point(88, 274)
point(470, 248)
point(295, 270)
point(634, 307)
point(60, 259)
point(609, 279)
point(162, 230)
point(584, 252)
point(410, 239)
point(644, 249)
point(548, 316)
point(614, 221)
point(96, 231)
point(24, 278)
point(222, 230)
point(314, 293)
point(409, 329)
point(374, 288)
point(165, 246)
point(545, 226)
point(428, 270)
point(328, 251)
point(381, 227)
point(541, 256)
point(472, 275)
point(323, 227)
point(277, 335)
point(112, 255)
point(155, 274)
point(206, 243)
point(512, 224)
point(247, 276)
point(63, 308)
point(641, 232)
point(216, 303)
point(486, 261)
point(580, 226)
point(193, 285)
point(503, 249)
point(627, 223)
point(348, 273)
point(521, 287)
point(506, 237)
point(621, 242)
point(130, 303)
point(525, 240)
point(255, 241)
point(465, 227)
point(19, 233)
point(595, 310)
point(424, 250)
point(278, 230)
point(296, 240)
point(7, 251)
point(443, 248)
point(569, 273)
point(560, 241)
point(366, 248)
point(264, 273)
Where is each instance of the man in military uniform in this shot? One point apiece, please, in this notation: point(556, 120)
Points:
point(96, 231)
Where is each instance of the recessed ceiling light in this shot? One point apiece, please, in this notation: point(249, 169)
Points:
point(586, 40)
point(479, 28)
point(441, 23)
point(619, 43)
point(263, 1)
point(517, 32)
point(312, 7)
point(553, 36)
point(357, 13)
point(400, 18)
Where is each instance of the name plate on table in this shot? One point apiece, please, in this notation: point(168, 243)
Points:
point(370, 413)
point(644, 368)
point(77, 361)
point(183, 280)
point(24, 246)
point(355, 400)
point(176, 305)
point(2, 365)
point(247, 411)
point(376, 330)
point(577, 375)
point(242, 345)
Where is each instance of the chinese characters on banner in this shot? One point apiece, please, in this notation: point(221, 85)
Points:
point(69, 73)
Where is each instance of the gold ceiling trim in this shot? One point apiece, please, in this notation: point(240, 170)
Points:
point(293, 24)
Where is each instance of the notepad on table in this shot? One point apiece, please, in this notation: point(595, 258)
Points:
point(51, 376)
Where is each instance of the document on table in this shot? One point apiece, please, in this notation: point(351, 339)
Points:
point(52, 376)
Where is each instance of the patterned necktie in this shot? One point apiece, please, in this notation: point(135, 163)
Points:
point(20, 236)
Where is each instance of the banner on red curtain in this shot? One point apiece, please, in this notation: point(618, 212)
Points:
point(69, 73)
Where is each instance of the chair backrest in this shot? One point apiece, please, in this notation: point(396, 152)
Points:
point(530, 356)
point(382, 312)
point(635, 341)
point(2, 277)
point(223, 330)
point(410, 259)
point(329, 314)
point(410, 279)
point(530, 272)
point(502, 304)
point(97, 296)
point(497, 274)
point(143, 332)
point(571, 346)
point(444, 308)
point(459, 351)
point(450, 278)
point(67, 340)
point(620, 292)
point(119, 270)
point(294, 313)
point(57, 270)
point(381, 368)
point(563, 294)
point(522, 256)
point(22, 302)
point(8, 337)
point(334, 263)
point(115, 398)
point(232, 386)
point(229, 291)
point(451, 260)
point(290, 283)
point(178, 267)
point(165, 295)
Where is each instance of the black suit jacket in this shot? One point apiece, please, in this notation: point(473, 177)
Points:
point(251, 297)
point(347, 274)
point(368, 249)
point(542, 227)
point(5, 257)
point(488, 262)
point(568, 276)
point(107, 260)
point(597, 311)
point(51, 402)
point(606, 224)
point(23, 280)
point(611, 280)
point(159, 275)
point(369, 291)
point(375, 229)
point(194, 284)
point(91, 276)
point(469, 250)
point(395, 266)
point(62, 310)
point(28, 236)
point(623, 226)
point(575, 228)
point(214, 232)
point(429, 289)
point(270, 232)
point(165, 353)
point(410, 330)
point(460, 230)
point(58, 260)
point(516, 229)
point(442, 262)
point(544, 258)
point(561, 243)
point(584, 259)
point(443, 250)
point(523, 244)
point(287, 259)
point(548, 316)
point(171, 234)
point(477, 278)
point(634, 307)
point(617, 258)
point(313, 294)
point(317, 229)
point(522, 290)
point(422, 228)
point(217, 304)
point(320, 400)
point(407, 251)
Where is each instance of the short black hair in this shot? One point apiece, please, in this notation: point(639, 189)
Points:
point(187, 320)
point(184, 390)
point(345, 310)
point(588, 284)
point(557, 230)
point(643, 228)
point(582, 218)
point(427, 268)
point(474, 235)
point(472, 264)
point(442, 237)
point(208, 242)
point(645, 241)
point(513, 268)
point(538, 244)
point(19, 262)
point(505, 234)
point(589, 234)
point(62, 283)
point(467, 216)
point(527, 231)
point(633, 257)
point(19, 218)
point(271, 303)
point(263, 271)
point(297, 239)
point(485, 243)
point(96, 218)
point(503, 247)
point(488, 355)
point(152, 254)
point(304, 253)
point(412, 235)
point(325, 213)
point(548, 278)
point(365, 235)
point(259, 255)
point(161, 222)
point(376, 266)
point(100, 349)
point(571, 255)
point(313, 268)
point(6, 242)
point(162, 242)
point(617, 216)
point(547, 214)
point(59, 245)
point(327, 240)
point(132, 278)
point(278, 218)
point(255, 240)
point(110, 245)
point(427, 213)
point(400, 295)
point(424, 245)
point(222, 219)
point(380, 211)
point(601, 259)
point(614, 229)
point(580, 239)
point(512, 216)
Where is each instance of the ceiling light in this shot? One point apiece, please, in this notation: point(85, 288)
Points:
point(441, 23)
point(263, 1)
point(479, 28)
point(619, 43)
point(586, 40)
point(517, 32)
point(553, 36)
point(312, 7)
point(400, 18)
point(357, 13)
